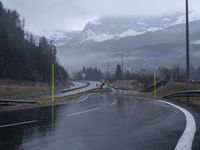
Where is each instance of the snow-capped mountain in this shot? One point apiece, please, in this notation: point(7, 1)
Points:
point(118, 27)
point(193, 16)
point(107, 28)
point(63, 37)
point(144, 39)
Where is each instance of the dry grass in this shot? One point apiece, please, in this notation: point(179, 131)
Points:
point(131, 84)
point(172, 87)
point(13, 91)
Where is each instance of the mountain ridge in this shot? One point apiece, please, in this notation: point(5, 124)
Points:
point(168, 37)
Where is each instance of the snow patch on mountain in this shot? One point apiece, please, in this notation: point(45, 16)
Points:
point(196, 42)
point(95, 22)
point(166, 19)
point(193, 16)
point(153, 29)
point(142, 24)
point(58, 35)
point(108, 36)
point(129, 32)
point(98, 37)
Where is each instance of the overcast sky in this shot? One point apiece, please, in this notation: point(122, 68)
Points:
point(45, 16)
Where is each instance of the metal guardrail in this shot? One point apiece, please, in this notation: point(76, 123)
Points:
point(9, 102)
point(158, 85)
point(191, 81)
point(68, 90)
point(192, 93)
point(118, 88)
point(27, 100)
point(46, 94)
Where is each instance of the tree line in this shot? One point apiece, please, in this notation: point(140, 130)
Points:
point(90, 73)
point(176, 74)
point(22, 58)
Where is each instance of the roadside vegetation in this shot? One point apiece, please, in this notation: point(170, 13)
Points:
point(43, 102)
point(172, 81)
point(23, 57)
point(91, 74)
point(12, 89)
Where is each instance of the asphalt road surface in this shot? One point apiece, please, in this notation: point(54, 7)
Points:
point(92, 85)
point(98, 122)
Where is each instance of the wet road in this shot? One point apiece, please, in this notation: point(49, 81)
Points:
point(97, 122)
point(92, 85)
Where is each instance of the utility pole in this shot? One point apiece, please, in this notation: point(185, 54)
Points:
point(108, 72)
point(187, 48)
point(122, 74)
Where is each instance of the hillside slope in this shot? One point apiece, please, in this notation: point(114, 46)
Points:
point(20, 56)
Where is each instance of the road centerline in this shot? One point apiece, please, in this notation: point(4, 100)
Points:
point(17, 124)
point(82, 112)
point(83, 99)
point(113, 103)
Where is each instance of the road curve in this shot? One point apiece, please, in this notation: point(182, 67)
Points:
point(186, 140)
point(98, 121)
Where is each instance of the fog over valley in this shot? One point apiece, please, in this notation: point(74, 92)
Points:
point(144, 41)
point(93, 33)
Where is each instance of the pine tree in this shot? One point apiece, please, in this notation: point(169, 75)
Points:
point(118, 73)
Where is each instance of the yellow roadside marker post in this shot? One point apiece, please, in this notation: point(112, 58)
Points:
point(155, 88)
point(52, 91)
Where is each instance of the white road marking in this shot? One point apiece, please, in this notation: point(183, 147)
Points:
point(113, 103)
point(83, 99)
point(49, 138)
point(17, 124)
point(186, 140)
point(82, 112)
point(115, 100)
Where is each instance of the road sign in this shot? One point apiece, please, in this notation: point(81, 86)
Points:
point(83, 75)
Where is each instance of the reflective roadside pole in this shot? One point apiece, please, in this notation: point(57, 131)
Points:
point(83, 78)
point(52, 101)
point(53, 83)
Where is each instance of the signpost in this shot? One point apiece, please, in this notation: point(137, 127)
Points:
point(155, 88)
point(83, 77)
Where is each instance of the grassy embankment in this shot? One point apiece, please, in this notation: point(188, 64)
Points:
point(11, 89)
point(130, 84)
point(15, 90)
point(173, 87)
point(170, 88)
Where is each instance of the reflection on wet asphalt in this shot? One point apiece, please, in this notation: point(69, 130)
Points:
point(99, 122)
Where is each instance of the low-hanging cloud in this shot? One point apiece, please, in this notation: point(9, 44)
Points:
point(45, 16)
